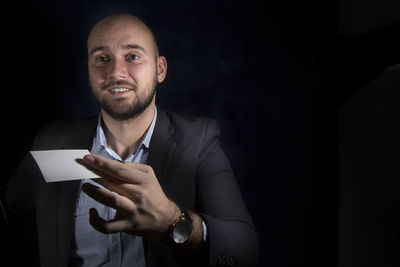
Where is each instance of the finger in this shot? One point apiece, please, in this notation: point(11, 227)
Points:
point(125, 189)
point(141, 167)
point(112, 168)
point(108, 198)
point(112, 164)
point(101, 165)
point(97, 171)
point(103, 226)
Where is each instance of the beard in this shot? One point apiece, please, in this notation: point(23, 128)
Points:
point(119, 109)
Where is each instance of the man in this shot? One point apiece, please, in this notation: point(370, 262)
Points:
point(167, 196)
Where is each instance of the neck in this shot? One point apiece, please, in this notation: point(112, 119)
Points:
point(124, 136)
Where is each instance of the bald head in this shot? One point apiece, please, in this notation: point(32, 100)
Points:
point(107, 28)
point(124, 66)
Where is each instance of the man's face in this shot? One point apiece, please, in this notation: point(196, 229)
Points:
point(123, 68)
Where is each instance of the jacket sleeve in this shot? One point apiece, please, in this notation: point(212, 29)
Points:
point(231, 236)
point(18, 194)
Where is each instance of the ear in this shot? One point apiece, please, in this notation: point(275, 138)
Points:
point(161, 68)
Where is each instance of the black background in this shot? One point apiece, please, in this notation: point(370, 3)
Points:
point(272, 73)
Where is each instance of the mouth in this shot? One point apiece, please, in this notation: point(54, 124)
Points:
point(118, 91)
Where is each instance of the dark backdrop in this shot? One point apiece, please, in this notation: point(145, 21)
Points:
point(268, 72)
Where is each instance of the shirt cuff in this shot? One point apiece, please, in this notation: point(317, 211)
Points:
point(204, 226)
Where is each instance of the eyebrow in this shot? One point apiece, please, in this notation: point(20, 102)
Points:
point(133, 46)
point(126, 47)
point(97, 48)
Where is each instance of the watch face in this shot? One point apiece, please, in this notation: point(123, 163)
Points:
point(182, 231)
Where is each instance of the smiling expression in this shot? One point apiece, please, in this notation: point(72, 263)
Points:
point(124, 66)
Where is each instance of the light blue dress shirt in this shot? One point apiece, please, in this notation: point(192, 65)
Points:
point(92, 248)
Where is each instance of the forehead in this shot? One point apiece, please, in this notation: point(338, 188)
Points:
point(120, 33)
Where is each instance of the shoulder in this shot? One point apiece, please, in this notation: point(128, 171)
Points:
point(69, 126)
point(64, 133)
point(191, 126)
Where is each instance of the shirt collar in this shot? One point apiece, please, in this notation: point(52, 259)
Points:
point(100, 141)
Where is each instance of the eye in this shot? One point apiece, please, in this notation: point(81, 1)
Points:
point(132, 57)
point(102, 59)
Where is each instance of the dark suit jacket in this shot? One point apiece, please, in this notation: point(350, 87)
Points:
point(191, 167)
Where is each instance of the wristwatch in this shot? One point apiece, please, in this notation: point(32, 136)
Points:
point(181, 228)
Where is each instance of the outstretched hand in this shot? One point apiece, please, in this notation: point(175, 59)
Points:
point(142, 208)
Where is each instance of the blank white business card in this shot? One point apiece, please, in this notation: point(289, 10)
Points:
point(61, 165)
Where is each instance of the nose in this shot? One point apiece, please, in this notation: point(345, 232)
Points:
point(117, 70)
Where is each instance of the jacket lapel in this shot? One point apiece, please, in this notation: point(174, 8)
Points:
point(161, 146)
point(160, 152)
